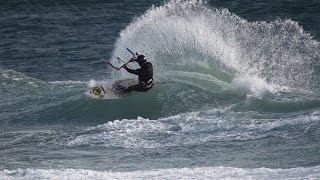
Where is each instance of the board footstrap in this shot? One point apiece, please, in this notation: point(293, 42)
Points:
point(103, 90)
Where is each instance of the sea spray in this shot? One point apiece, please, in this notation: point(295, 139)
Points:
point(194, 37)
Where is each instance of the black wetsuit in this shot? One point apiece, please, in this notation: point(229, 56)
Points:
point(145, 73)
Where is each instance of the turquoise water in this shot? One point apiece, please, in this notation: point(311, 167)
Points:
point(236, 93)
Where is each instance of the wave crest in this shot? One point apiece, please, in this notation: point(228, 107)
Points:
point(194, 37)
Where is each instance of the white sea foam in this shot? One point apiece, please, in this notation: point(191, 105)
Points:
point(68, 82)
point(184, 173)
point(92, 83)
point(255, 86)
point(192, 128)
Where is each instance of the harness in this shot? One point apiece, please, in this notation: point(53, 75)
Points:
point(149, 83)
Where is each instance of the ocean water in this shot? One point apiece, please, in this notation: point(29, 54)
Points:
point(236, 92)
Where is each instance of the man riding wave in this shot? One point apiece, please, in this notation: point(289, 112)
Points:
point(145, 74)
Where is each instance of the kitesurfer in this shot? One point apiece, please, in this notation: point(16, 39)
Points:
point(145, 73)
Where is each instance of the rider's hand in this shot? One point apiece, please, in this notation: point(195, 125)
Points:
point(132, 59)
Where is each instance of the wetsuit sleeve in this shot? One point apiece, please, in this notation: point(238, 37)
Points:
point(136, 71)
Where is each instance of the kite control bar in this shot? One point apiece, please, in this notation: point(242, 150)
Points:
point(125, 63)
point(131, 52)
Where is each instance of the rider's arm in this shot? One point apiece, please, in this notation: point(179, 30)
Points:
point(136, 71)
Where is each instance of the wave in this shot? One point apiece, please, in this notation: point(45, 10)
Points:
point(30, 101)
point(184, 173)
point(197, 128)
point(205, 133)
point(186, 129)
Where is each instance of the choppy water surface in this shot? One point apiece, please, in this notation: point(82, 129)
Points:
point(236, 93)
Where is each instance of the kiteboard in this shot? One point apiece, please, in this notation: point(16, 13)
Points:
point(111, 91)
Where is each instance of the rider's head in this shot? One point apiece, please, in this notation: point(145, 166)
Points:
point(140, 58)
